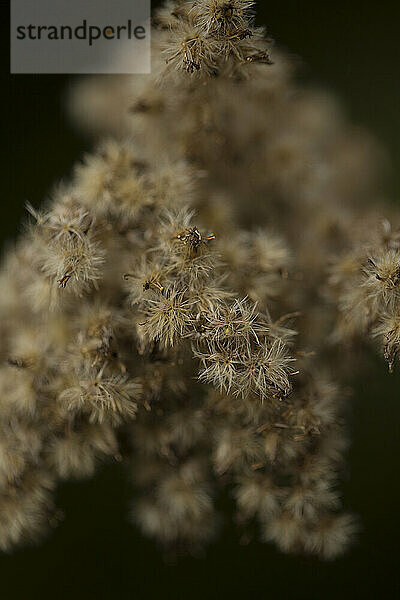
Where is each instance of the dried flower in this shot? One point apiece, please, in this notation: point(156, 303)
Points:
point(183, 288)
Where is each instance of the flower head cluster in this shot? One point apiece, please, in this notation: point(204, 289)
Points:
point(191, 287)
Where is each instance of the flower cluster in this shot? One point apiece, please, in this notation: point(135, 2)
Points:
point(365, 280)
point(191, 290)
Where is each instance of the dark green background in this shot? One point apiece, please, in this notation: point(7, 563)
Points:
point(353, 49)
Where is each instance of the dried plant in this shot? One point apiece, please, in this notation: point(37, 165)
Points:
point(192, 291)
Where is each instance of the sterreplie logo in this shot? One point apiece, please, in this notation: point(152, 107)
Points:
point(80, 36)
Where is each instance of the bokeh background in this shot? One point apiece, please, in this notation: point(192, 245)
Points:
point(353, 49)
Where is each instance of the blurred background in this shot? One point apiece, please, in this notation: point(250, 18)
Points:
point(353, 50)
